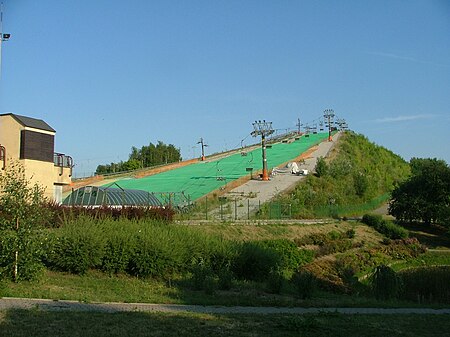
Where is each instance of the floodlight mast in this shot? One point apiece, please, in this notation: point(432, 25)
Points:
point(203, 148)
point(263, 129)
point(328, 114)
point(3, 36)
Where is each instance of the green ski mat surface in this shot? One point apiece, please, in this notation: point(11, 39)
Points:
point(199, 179)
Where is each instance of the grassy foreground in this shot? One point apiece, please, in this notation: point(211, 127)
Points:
point(98, 287)
point(41, 323)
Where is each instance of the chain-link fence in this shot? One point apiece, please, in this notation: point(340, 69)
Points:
point(229, 209)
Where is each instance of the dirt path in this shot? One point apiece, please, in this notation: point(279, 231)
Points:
point(51, 305)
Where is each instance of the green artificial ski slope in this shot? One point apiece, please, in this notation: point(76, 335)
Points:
point(201, 178)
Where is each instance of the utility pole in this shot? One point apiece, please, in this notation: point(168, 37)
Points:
point(203, 148)
point(328, 114)
point(263, 129)
point(3, 36)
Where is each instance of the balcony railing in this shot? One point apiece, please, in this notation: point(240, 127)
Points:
point(63, 161)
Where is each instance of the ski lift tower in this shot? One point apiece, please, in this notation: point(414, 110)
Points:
point(203, 148)
point(328, 114)
point(263, 129)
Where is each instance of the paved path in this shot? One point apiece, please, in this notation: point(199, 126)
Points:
point(52, 305)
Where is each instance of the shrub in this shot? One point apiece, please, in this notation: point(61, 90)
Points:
point(225, 279)
point(291, 257)
point(321, 167)
point(155, 255)
point(202, 277)
point(350, 233)
point(60, 214)
point(305, 284)
point(426, 284)
point(388, 228)
point(255, 261)
point(117, 254)
point(385, 283)
point(275, 281)
point(335, 247)
point(372, 220)
point(76, 253)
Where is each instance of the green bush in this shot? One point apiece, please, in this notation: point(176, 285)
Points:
point(154, 255)
point(350, 233)
point(117, 254)
point(225, 279)
point(254, 261)
point(305, 284)
point(202, 277)
point(321, 167)
point(275, 281)
point(291, 257)
point(335, 246)
point(372, 220)
point(75, 253)
point(385, 283)
point(388, 228)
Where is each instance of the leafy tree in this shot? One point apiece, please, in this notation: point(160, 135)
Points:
point(425, 196)
point(21, 218)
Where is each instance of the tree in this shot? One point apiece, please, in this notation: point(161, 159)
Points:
point(22, 215)
point(146, 156)
point(425, 196)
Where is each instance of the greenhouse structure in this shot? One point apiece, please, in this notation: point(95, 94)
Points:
point(95, 196)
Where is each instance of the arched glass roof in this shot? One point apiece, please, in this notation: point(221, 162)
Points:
point(98, 195)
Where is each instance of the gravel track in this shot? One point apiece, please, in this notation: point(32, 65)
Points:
point(54, 305)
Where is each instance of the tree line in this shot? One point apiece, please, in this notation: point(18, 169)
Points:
point(146, 156)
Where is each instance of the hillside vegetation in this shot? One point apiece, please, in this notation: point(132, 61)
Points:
point(359, 175)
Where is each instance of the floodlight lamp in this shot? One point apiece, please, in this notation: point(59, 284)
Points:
point(6, 36)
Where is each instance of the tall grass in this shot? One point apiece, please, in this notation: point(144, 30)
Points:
point(160, 250)
point(359, 177)
point(351, 210)
point(426, 284)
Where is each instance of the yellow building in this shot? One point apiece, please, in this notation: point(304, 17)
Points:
point(31, 142)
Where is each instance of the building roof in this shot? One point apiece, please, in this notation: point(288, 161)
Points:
point(31, 122)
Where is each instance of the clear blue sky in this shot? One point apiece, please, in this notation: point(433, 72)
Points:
point(108, 75)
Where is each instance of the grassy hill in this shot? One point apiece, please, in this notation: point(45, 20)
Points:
point(357, 176)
